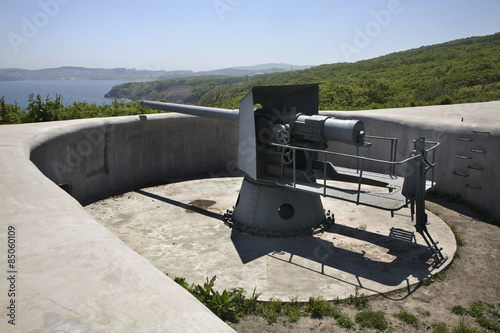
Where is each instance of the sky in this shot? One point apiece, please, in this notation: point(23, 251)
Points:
point(212, 34)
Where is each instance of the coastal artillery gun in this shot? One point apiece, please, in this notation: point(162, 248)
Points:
point(282, 149)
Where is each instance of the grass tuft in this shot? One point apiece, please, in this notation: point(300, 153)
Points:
point(439, 328)
point(319, 307)
point(358, 300)
point(292, 309)
point(459, 310)
point(407, 318)
point(372, 319)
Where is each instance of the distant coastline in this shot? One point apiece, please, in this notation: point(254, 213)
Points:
point(90, 91)
point(69, 73)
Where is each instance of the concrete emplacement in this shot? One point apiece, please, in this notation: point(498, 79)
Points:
point(75, 274)
point(179, 228)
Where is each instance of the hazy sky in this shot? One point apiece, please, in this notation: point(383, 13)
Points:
point(213, 34)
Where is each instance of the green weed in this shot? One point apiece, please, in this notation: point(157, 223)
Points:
point(479, 311)
point(372, 319)
point(319, 307)
point(439, 277)
point(292, 309)
point(439, 328)
point(463, 328)
point(458, 239)
point(407, 318)
point(358, 300)
point(459, 310)
point(345, 322)
point(271, 310)
point(228, 305)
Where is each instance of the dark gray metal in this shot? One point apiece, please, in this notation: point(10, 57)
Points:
point(201, 111)
point(278, 115)
point(281, 136)
point(414, 189)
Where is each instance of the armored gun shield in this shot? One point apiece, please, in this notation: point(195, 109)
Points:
point(279, 106)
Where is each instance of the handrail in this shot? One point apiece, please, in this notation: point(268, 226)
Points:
point(436, 144)
point(394, 149)
point(362, 159)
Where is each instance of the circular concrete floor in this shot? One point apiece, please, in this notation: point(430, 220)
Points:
point(178, 227)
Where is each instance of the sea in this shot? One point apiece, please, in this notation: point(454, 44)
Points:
point(92, 91)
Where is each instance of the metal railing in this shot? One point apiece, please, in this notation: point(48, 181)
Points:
point(393, 151)
point(361, 160)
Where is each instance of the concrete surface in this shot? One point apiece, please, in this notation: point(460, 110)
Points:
point(178, 227)
point(74, 274)
point(71, 273)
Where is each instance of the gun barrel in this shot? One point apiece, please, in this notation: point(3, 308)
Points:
point(201, 111)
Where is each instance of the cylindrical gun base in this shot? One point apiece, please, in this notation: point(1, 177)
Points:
point(273, 211)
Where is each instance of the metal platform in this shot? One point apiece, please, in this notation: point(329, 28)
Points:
point(388, 198)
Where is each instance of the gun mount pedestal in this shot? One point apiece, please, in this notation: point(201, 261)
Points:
point(269, 210)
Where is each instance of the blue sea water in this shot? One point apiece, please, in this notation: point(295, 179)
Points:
point(70, 91)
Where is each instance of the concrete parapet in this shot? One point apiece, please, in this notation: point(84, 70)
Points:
point(468, 158)
point(70, 273)
point(101, 157)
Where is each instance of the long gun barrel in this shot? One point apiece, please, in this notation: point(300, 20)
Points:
point(315, 127)
point(200, 111)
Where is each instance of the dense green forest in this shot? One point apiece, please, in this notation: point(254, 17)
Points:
point(460, 71)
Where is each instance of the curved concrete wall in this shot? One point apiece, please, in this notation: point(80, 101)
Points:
point(468, 157)
point(73, 274)
point(99, 158)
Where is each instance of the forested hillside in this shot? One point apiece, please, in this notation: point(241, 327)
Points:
point(460, 71)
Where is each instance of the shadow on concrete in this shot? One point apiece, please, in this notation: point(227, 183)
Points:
point(321, 256)
point(179, 204)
